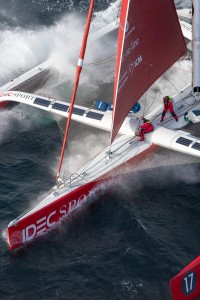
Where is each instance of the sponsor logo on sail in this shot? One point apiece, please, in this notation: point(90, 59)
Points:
point(135, 64)
point(132, 46)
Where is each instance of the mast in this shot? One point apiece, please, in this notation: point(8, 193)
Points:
point(196, 49)
point(76, 82)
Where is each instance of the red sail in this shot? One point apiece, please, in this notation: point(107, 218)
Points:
point(149, 42)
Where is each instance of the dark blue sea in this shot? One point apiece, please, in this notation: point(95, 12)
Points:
point(136, 235)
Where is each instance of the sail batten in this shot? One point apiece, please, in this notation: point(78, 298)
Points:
point(149, 42)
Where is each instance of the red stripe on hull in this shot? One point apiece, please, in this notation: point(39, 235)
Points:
point(47, 217)
point(43, 220)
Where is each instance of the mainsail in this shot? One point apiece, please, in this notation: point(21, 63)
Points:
point(149, 42)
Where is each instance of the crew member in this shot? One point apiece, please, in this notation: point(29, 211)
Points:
point(144, 128)
point(167, 100)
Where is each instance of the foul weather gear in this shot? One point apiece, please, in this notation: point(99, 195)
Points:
point(144, 128)
point(167, 100)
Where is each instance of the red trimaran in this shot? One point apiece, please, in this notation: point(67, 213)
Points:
point(149, 42)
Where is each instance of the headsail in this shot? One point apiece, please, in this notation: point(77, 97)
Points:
point(149, 42)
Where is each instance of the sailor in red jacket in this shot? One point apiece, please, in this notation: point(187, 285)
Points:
point(144, 128)
point(167, 100)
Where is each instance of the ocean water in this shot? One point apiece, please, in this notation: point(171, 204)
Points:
point(138, 234)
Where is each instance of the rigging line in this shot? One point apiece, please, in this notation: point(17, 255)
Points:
point(126, 141)
point(104, 61)
point(163, 77)
point(182, 70)
point(173, 86)
point(73, 179)
point(93, 104)
point(101, 61)
point(114, 163)
point(78, 104)
point(145, 102)
point(154, 95)
point(136, 145)
point(66, 158)
point(89, 168)
point(157, 84)
point(145, 111)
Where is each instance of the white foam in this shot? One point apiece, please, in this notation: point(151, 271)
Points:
point(183, 3)
point(4, 235)
point(22, 49)
point(20, 118)
point(107, 16)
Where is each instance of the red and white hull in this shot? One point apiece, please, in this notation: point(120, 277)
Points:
point(63, 201)
point(44, 219)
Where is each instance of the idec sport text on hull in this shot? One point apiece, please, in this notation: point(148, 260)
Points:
point(49, 221)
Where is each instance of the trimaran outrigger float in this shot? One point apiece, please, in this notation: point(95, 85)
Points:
point(148, 44)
